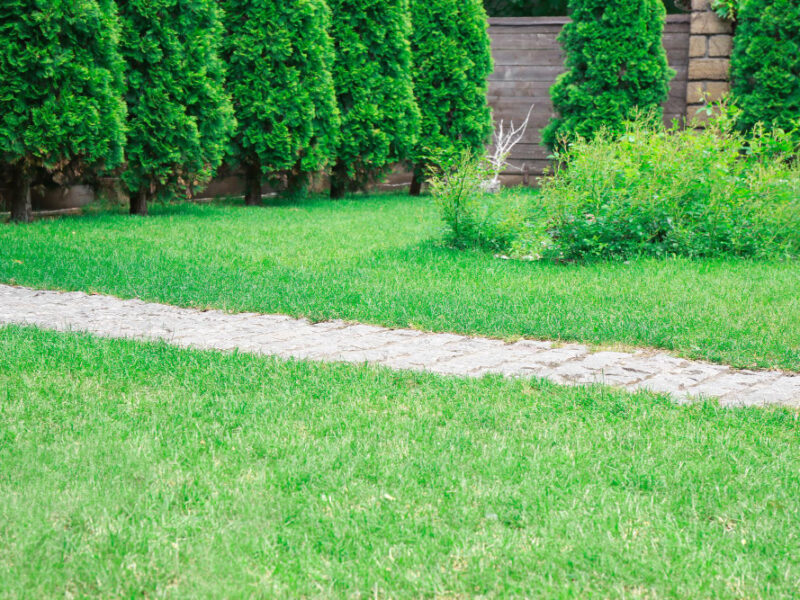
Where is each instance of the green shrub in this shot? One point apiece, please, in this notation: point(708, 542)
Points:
point(472, 216)
point(726, 9)
point(61, 107)
point(372, 77)
point(179, 115)
point(651, 192)
point(279, 56)
point(450, 47)
point(616, 66)
point(765, 66)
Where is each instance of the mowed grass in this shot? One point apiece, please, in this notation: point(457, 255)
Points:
point(142, 470)
point(378, 260)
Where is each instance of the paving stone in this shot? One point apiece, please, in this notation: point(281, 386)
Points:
point(557, 356)
point(471, 364)
point(780, 389)
point(575, 373)
point(729, 382)
point(443, 353)
point(663, 383)
point(603, 360)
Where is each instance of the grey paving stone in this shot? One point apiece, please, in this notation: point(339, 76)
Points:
point(444, 353)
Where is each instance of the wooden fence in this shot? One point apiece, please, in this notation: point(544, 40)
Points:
point(528, 58)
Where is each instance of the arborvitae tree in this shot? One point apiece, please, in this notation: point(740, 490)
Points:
point(372, 76)
point(452, 57)
point(60, 91)
point(616, 66)
point(765, 67)
point(179, 115)
point(279, 56)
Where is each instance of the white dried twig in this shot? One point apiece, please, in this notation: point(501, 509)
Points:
point(504, 142)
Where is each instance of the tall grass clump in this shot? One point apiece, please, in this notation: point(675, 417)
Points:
point(656, 192)
point(472, 216)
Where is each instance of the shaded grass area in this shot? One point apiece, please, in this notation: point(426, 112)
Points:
point(141, 470)
point(377, 260)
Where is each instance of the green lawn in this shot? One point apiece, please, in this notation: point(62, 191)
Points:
point(377, 260)
point(141, 470)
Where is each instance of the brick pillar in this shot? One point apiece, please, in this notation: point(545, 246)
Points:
point(710, 46)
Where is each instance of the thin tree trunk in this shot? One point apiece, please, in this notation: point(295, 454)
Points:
point(139, 203)
point(21, 207)
point(296, 184)
point(252, 184)
point(416, 184)
point(338, 182)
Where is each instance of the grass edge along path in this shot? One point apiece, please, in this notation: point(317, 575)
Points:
point(376, 260)
point(337, 341)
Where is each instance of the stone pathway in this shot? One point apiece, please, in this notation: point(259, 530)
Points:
point(442, 353)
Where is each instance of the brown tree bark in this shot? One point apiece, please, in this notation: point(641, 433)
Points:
point(295, 185)
point(21, 207)
point(139, 203)
point(416, 185)
point(338, 182)
point(252, 185)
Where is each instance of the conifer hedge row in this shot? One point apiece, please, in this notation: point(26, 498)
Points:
point(765, 66)
point(164, 91)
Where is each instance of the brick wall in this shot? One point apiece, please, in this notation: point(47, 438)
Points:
point(710, 46)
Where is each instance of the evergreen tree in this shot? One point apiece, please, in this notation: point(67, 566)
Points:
point(279, 56)
point(765, 66)
point(616, 65)
point(179, 115)
point(60, 91)
point(372, 77)
point(452, 58)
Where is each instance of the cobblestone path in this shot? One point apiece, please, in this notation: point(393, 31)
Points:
point(442, 353)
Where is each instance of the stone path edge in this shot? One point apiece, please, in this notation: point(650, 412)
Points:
point(401, 349)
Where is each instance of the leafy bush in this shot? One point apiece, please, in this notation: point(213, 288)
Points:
point(765, 66)
point(726, 9)
point(279, 56)
point(450, 47)
point(180, 117)
point(61, 103)
point(678, 192)
point(616, 66)
point(372, 77)
point(472, 216)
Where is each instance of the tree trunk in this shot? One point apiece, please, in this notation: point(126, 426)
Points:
point(139, 203)
point(338, 182)
point(252, 185)
point(296, 184)
point(21, 208)
point(416, 185)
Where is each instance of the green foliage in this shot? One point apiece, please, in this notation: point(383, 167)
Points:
point(726, 9)
point(617, 66)
point(765, 66)
point(372, 76)
point(180, 116)
point(279, 55)
point(60, 85)
point(666, 193)
point(472, 216)
point(452, 61)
